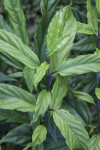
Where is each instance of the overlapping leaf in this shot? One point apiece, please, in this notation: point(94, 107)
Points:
point(17, 50)
point(58, 92)
point(15, 98)
point(42, 104)
point(60, 37)
point(39, 135)
point(72, 129)
point(48, 8)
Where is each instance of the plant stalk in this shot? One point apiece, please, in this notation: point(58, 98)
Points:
point(97, 74)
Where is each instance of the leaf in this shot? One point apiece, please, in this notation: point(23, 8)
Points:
point(17, 19)
point(11, 95)
point(58, 145)
point(3, 24)
point(80, 64)
point(54, 39)
point(95, 142)
point(58, 92)
point(92, 16)
point(47, 9)
point(83, 96)
point(3, 78)
point(21, 135)
point(15, 75)
point(29, 77)
point(85, 44)
point(79, 109)
point(17, 50)
point(97, 92)
point(84, 28)
point(42, 104)
point(72, 129)
point(39, 135)
point(9, 116)
point(83, 110)
point(98, 7)
point(60, 37)
point(40, 72)
point(13, 103)
point(7, 90)
point(9, 60)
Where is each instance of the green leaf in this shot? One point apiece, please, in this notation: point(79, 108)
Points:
point(17, 50)
point(20, 135)
point(97, 92)
point(72, 129)
point(13, 103)
point(83, 96)
point(47, 9)
point(92, 16)
point(79, 109)
point(9, 60)
point(95, 142)
point(85, 44)
point(42, 104)
point(80, 64)
point(98, 7)
point(17, 19)
point(84, 28)
point(40, 72)
point(58, 92)
point(29, 77)
point(15, 98)
point(83, 110)
point(60, 37)
point(39, 135)
point(15, 75)
point(9, 116)
point(3, 24)
point(7, 90)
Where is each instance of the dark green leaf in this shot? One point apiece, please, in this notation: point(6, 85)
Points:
point(20, 135)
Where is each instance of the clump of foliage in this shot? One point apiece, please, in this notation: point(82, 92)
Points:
point(60, 73)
